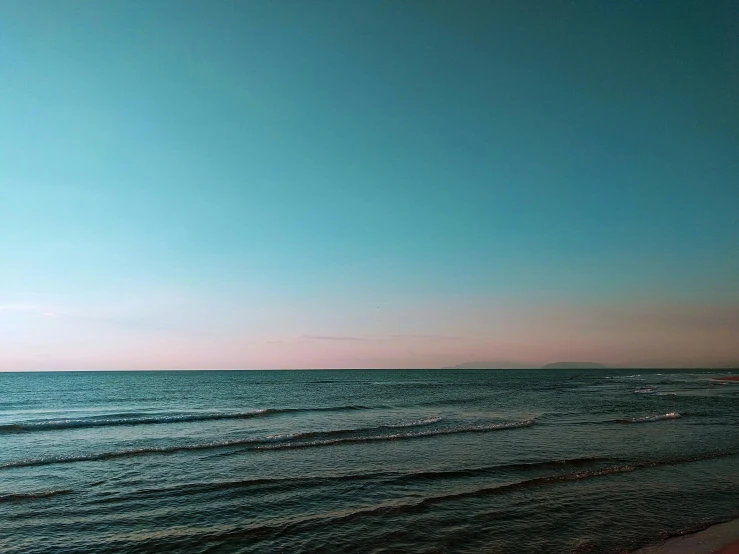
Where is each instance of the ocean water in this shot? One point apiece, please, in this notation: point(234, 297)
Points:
point(363, 461)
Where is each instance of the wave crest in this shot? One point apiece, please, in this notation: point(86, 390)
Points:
point(32, 495)
point(399, 436)
point(154, 419)
point(647, 419)
point(273, 442)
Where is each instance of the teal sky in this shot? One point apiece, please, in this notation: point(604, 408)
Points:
point(280, 184)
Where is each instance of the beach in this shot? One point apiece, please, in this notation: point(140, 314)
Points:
point(717, 539)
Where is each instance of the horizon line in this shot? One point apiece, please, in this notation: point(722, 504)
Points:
point(540, 368)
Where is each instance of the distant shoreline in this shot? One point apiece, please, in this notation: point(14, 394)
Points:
point(727, 379)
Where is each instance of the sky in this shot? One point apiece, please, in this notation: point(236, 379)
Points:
point(380, 184)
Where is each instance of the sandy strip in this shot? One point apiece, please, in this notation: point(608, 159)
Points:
point(717, 539)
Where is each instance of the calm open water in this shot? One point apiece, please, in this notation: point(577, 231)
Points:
point(363, 461)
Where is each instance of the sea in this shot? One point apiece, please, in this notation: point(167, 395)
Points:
point(383, 461)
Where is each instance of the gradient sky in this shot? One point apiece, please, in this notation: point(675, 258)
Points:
point(291, 183)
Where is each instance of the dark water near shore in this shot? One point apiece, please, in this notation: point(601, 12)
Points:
point(363, 461)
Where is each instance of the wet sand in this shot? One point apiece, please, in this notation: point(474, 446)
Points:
point(717, 539)
point(732, 548)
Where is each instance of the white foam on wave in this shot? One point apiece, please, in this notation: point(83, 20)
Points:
point(277, 438)
point(418, 422)
point(647, 419)
point(400, 436)
point(143, 419)
point(151, 419)
point(309, 434)
point(274, 442)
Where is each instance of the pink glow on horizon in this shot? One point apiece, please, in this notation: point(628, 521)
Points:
point(173, 334)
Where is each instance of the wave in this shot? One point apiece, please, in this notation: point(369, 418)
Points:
point(452, 401)
point(328, 438)
point(273, 484)
point(122, 454)
point(395, 507)
point(536, 481)
point(401, 507)
point(619, 466)
point(32, 495)
point(121, 419)
point(399, 436)
point(340, 432)
point(211, 445)
point(489, 470)
point(647, 419)
point(688, 459)
point(149, 419)
point(416, 422)
point(403, 476)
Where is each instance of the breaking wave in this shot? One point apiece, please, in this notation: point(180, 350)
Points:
point(32, 495)
point(400, 436)
point(151, 419)
point(647, 419)
point(289, 483)
point(323, 438)
point(407, 505)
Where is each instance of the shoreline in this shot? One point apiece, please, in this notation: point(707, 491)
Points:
point(722, 538)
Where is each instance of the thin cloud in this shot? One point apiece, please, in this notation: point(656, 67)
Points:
point(332, 337)
point(426, 337)
point(20, 308)
point(83, 318)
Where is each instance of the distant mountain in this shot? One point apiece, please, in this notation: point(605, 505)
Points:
point(492, 365)
point(574, 365)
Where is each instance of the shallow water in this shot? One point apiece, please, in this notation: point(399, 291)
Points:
point(363, 461)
